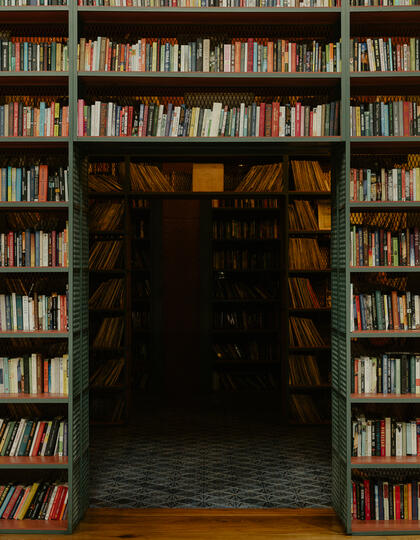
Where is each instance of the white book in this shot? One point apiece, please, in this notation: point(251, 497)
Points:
point(257, 130)
point(51, 502)
point(3, 326)
point(417, 374)
point(386, 500)
point(387, 437)
point(14, 312)
point(241, 119)
point(368, 438)
point(33, 386)
point(373, 375)
point(293, 122)
point(398, 439)
point(215, 117)
point(417, 310)
point(227, 57)
point(25, 313)
point(282, 120)
point(159, 125)
point(206, 55)
point(207, 123)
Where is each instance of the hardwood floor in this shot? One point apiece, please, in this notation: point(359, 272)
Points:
point(184, 524)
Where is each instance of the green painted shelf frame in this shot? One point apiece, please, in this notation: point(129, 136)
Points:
point(78, 147)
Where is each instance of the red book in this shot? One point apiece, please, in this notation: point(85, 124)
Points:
point(146, 114)
point(382, 437)
point(63, 504)
point(10, 245)
point(359, 318)
point(130, 121)
point(43, 183)
point(276, 116)
point(54, 261)
point(406, 118)
point(262, 120)
point(293, 64)
point(397, 502)
point(57, 498)
point(12, 502)
point(270, 56)
point(367, 500)
point(39, 438)
point(395, 313)
point(15, 118)
point(45, 376)
point(250, 59)
point(298, 118)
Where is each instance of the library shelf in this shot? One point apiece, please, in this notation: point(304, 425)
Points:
point(228, 331)
point(106, 310)
point(33, 206)
point(106, 233)
point(309, 387)
point(202, 140)
point(383, 527)
point(385, 144)
point(392, 15)
point(307, 349)
point(381, 398)
point(34, 14)
point(33, 269)
point(373, 205)
point(35, 462)
point(107, 389)
point(389, 81)
point(111, 271)
point(244, 364)
point(225, 209)
point(209, 79)
point(385, 462)
point(37, 334)
point(34, 78)
point(29, 526)
point(245, 241)
point(245, 300)
point(373, 269)
point(211, 15)
point(309, 271)
point(316, 194)
point(385, 333)
point(310, 310)
point(33, 398)
point(309, 233)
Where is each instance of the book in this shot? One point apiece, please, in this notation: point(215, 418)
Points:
point(29, 506)
point(33, 53)
point(384, 54)
point(34, 183)
point(28, 437)
point(402, 183)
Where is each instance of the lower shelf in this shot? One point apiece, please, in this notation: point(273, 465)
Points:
point(378, 526)
point(33, 525)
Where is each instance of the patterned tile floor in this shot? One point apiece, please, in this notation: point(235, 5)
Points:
point(214, 458)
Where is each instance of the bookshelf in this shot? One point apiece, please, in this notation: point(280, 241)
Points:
point(342, 22)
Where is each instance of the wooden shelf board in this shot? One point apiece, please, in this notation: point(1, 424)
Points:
point(38, 334)
point(296, 349)
point(381, 526)
point(384, 397)
point(36, 206)
point(360, 269)
point(309, 271)
point(36, 398)
point(33, 269)
point(311, 309)
point(32, 525)
point(305, 233)
point(372, 205)
point(50, 462)
point(379, 461)
point(207, 140)
point(385, 333)
point(309, 387)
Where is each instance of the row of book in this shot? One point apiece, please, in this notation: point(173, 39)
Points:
point(389, 500)
point(34, 374)
point(393, 118)
point(35, 183)
point(384, 437)
point(250, 319)
point(33, 313)
point(41, 500)
point(110, 333)
point(26, 437)
point(306, 254)
point(305, 410)
point(249, 351)
point(302, 294)
point(108, 295)
point(34, 248)
point(374, 3)
point(245, 55)
point(304, 333)
point(244, 382)
point(212, 3)
point(384, 311)
point(179, 120)
point(370, 246)
point(385, 54)
point(46, 120)
point(304, 370)
point(104, 254)
point(309, 176)
point(107, 374)
point(245, 259)
point(240, 229)
point(226, 289)
point(397, 184)
point(387, 374)
point(34, 54)
point(245, 203)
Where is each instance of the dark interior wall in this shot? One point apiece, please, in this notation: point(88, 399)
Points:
point(181, 296)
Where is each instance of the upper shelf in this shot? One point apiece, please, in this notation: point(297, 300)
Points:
point(384, 15)
point(167, 15)
point(34, 14)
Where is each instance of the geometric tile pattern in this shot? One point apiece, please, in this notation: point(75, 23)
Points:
point(210, 459)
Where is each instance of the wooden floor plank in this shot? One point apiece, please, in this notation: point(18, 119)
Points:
point(203, 524)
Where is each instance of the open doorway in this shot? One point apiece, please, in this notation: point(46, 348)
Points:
point(191, 393)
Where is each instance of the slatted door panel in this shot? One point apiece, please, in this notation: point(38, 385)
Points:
point(79, 342)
